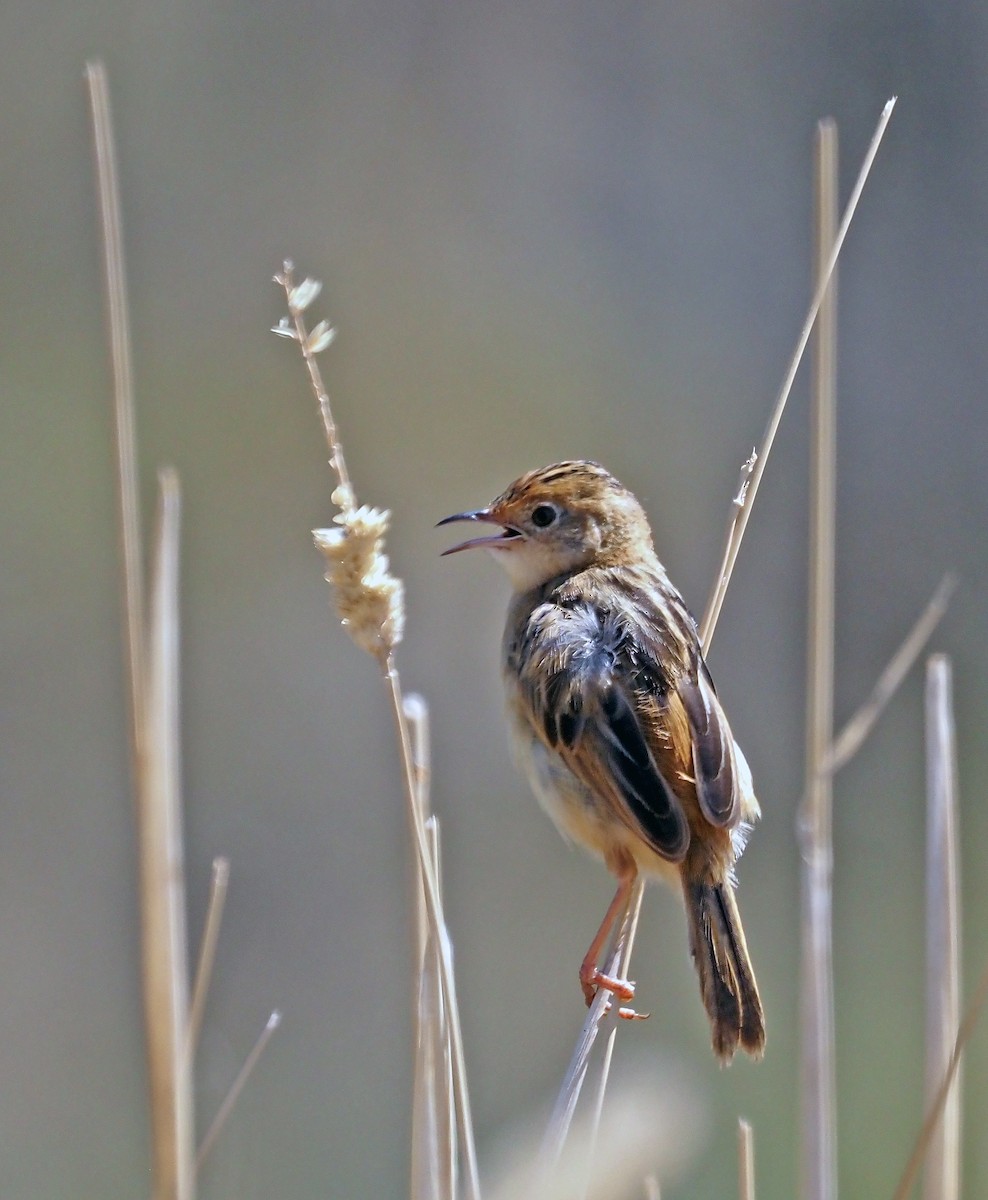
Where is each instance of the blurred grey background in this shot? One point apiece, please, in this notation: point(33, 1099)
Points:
point(545, 230)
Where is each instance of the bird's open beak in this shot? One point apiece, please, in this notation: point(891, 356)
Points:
point(507, 534)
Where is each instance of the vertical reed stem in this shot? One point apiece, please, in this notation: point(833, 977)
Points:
point(746, 1160)
point(819, 1154)
point(941, 1180)
point(162, 876)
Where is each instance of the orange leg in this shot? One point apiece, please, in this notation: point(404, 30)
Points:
point(590, 977)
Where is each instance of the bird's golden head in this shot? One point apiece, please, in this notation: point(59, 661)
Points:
point(559, 519)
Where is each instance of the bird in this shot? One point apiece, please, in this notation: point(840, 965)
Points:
point(616, 723)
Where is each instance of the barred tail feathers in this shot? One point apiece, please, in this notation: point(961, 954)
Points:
point(727, 980)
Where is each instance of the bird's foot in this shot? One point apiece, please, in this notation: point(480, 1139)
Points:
point(591, 980)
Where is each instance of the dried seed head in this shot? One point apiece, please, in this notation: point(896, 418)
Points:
point(300, 297)
point(369, 599)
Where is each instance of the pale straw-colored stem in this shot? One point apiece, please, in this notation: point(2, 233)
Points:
point(618, 959)
point(218, 886)
point(151, 658)
point(941, 1180)
point(162, 883)
point(433, 907)
point(118, 329)
point(850, 739)
point(624, 946)
point(417, 716)
point(236, 1089)
point(336, 460)
point(905, 1186)
point(746, 1160)
point(818, 1092)
point(739, 519)
point(433, 1158)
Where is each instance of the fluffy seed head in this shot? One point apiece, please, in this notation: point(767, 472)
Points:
point(369, 599)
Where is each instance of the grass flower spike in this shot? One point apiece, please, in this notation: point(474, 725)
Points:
point(369, 599)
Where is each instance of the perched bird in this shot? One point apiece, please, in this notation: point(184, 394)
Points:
point(616, 722)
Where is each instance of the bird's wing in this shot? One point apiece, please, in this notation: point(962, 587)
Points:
point(583, 706)
point(715, 764)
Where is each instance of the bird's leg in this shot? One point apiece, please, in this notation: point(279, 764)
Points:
point(590, 977)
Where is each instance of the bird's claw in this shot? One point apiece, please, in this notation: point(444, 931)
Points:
point(624, 989)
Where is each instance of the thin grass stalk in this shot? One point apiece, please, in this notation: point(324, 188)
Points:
point(652, 1189)
point(818, 1125)
point(740, 516)
point(218, 887)
point(623, 947)
point(433, 1157)
point(941, 1178)
point(618, 959)
point(564, 1108)
point(162, 885)
point(433, 904)
point(746, 1160)
point(851, 738)
point(971, 1017)
point(417, 716)
point(118, 331)
point(236, 1090)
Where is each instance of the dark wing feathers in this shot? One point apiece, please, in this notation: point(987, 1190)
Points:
point(619, 689)
point(644, 789)
point(580, 704)
point(714, 765)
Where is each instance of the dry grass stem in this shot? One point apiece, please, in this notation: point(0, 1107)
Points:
point(433, 1158)
point(118, 327)
point(434, 1164)
point(564, 1110)
point(818, 1088)
point(371, 603)
point(162, 885)
point(233, 1095)
point(738, 505)
point(624, 946)
point(151, 657)
point(943, 953)
point(739, 520)
point(299, 298)
point(746, 1160)
point(933, 1113)
point(440, 935)
point(652, 1189)
point(218, 886)
point(618, 960)
point(855, 732)
point(417, 718)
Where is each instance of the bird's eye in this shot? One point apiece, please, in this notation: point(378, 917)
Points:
point(543, 515)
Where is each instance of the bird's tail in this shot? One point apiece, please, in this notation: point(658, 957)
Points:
point(727, 981)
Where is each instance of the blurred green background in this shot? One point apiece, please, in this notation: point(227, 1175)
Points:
point(546, 230)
